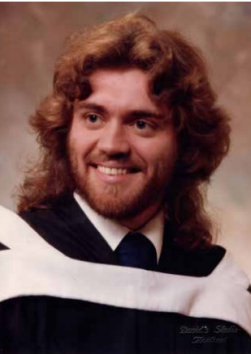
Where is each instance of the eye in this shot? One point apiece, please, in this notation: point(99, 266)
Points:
point(93, 118)
point(141, 125)
point(145, 127)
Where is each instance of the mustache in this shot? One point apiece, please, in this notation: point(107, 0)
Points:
point(123, 159)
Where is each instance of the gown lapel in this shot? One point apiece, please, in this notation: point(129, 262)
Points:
point(65, 226)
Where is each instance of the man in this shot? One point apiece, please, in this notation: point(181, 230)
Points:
point(112, 250)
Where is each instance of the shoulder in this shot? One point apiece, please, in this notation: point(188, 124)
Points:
point(56, 212)
point(57, 220)
point(5, 219)
point(63, 225)
point(202, 262)
point(17, 234)
point(214, 261)
point(192, 262)
point(11, 226)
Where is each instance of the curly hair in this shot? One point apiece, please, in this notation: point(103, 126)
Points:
point(178, 77)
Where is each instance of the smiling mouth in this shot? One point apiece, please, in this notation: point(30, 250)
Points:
point(116, 171)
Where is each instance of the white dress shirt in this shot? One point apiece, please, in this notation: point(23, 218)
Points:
point(113, 232)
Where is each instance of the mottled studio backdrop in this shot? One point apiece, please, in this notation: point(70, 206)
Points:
point(31, 38)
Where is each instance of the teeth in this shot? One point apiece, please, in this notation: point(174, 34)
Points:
point(112, 171)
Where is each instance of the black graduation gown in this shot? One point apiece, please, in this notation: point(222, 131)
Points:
point(78, 300)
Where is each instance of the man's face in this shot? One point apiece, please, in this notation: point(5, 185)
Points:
point(122, 145)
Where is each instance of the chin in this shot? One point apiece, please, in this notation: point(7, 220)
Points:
point(112, 207)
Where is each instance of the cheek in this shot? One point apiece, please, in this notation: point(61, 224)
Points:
point(159, 152)
point(168, 147)
point(80, 142)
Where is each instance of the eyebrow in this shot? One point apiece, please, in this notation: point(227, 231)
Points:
point(146, 114)
point(96, 107)
point(136, 114)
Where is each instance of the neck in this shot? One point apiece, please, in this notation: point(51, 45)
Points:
point(138, 221)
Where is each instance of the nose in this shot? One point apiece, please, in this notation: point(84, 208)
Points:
point(113, 140)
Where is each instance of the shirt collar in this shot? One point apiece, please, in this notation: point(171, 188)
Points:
point(113, 232)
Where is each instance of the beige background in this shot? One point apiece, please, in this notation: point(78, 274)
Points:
point(31, 37)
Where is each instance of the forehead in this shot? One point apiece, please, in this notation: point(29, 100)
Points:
point(121, 87)
point(114, 76)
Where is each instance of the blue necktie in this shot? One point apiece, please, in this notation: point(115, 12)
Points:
point(135, 250)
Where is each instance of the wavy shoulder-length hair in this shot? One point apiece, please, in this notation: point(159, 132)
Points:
point(177, 78)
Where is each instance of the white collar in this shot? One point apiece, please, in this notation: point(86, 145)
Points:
point(113, 232)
